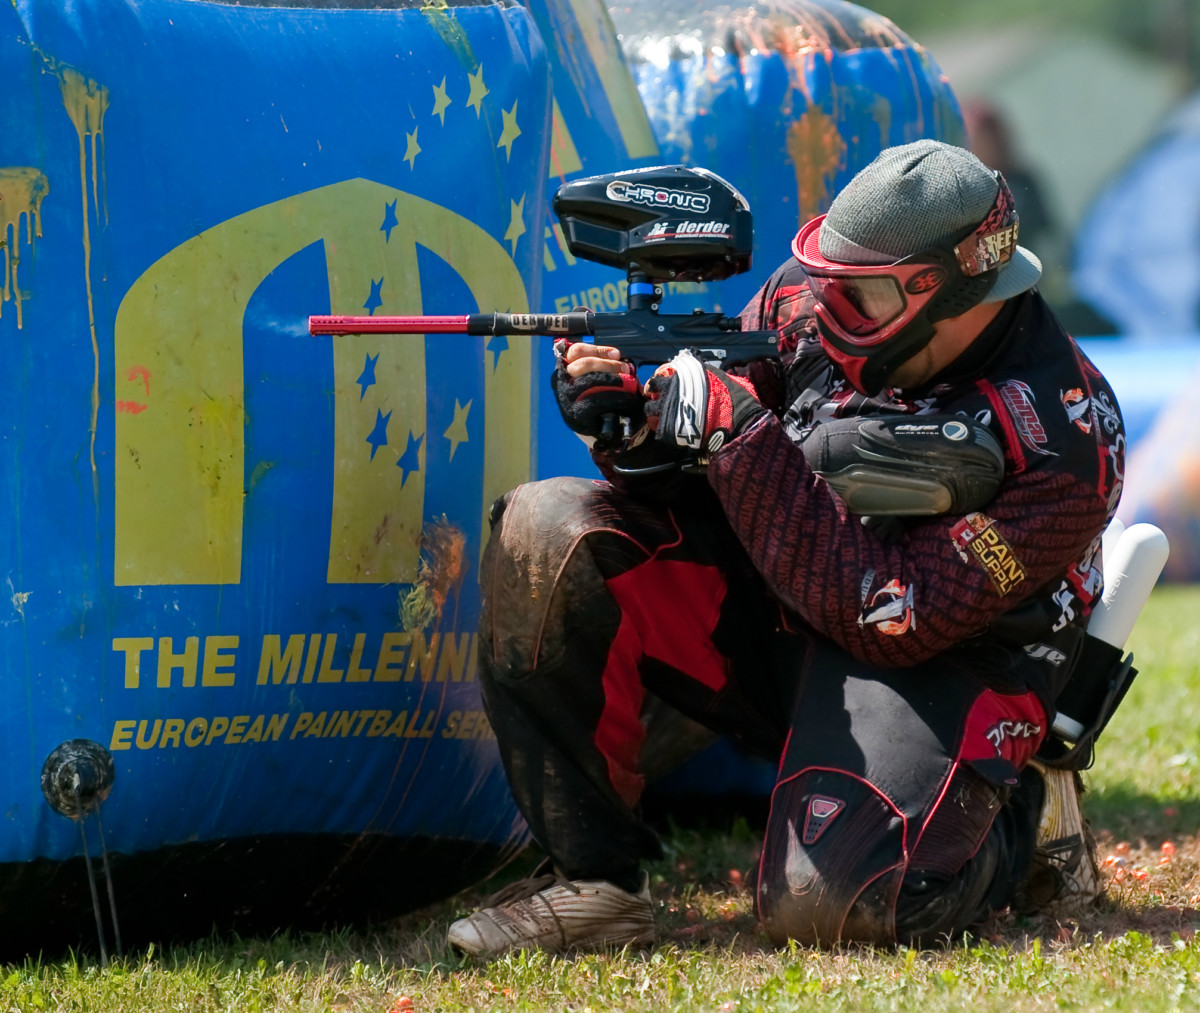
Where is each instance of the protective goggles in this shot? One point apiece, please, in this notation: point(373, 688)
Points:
point(866, 304)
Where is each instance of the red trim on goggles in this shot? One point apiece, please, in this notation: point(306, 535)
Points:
point(868, 303)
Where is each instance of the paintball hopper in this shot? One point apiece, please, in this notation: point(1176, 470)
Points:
point(668, 222)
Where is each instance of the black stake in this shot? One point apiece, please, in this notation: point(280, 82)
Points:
point(87, 858)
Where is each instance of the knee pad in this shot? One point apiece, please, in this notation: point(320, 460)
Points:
point(846, 864)
point(889, 789)
point(536, 529)
point(838, 875)
point(543, 574)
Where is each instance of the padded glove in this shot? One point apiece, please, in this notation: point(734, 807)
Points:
point(698, 407)
point(593, 404)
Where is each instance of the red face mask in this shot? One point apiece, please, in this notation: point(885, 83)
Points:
point(874, 317)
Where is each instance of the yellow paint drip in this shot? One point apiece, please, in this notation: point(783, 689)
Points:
point(86, 103)
point(817, 151)
point(22, 189)
point(438, 14)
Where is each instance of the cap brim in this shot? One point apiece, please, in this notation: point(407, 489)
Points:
point(806, 246)
point(1021, 272)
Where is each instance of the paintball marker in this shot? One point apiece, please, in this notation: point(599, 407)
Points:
point(666, 223)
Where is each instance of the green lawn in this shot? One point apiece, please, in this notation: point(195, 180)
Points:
point(1137, 951)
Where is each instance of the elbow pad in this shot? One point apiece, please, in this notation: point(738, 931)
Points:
point(907, 465)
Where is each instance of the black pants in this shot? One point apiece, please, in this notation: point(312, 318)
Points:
point(898, 813)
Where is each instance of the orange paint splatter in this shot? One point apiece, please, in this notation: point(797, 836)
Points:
point(442, 569)
point(444, 565)
point(132, 407)
point(818, 153)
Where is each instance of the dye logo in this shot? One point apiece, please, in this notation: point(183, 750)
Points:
point(1046, 653)
point(977, 539)
point(955, 431)
point(180, 400)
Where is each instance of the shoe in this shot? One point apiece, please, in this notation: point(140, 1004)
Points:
point(549, 912)
point(1064, 873)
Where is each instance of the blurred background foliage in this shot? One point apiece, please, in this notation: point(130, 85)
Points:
point(1066, 97)
point(1165, 29)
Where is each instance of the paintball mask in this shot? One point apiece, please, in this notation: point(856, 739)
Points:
point(873, 317)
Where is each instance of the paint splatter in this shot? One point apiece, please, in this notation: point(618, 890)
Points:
point(438, 14)
point(22, 189)
point(86, 103)
point(19, 598)
point(442, 568)
point(818, 152)
point(790, 27)
point(135, 373)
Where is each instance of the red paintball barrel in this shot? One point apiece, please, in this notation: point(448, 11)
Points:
point(570, 324)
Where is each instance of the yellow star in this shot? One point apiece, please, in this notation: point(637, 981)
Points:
point(478, 90)
point(414, 149)
point(516, 223)
point(440, 101)
point(510, 132)
point(457, 433)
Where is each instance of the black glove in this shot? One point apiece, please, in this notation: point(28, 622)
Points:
point(596, 403)
point(698, 407)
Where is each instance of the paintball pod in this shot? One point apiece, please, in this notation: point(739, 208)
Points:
point(1133, 559)
point(667, 223)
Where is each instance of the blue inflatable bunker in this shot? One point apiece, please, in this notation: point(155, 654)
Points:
point(241, 559)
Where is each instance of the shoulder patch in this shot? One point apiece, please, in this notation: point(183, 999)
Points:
point(977, 540)
point(1019, 400)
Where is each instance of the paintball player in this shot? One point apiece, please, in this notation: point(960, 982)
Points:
point(876, 569)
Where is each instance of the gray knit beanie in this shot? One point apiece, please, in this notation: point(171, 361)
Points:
point(915, 196)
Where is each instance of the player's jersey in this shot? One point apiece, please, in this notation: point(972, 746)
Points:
point(1022, 572)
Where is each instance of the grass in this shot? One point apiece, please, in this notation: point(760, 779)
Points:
point(1137, 951)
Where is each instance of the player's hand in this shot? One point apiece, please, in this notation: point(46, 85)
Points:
point(598, 393)
point(579, 357)
point(695, 406)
